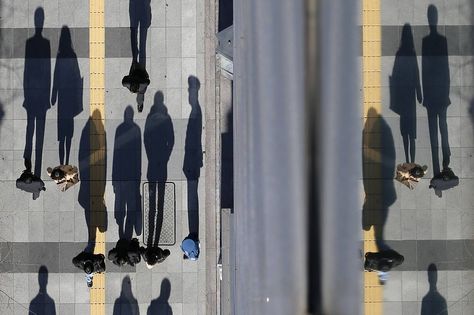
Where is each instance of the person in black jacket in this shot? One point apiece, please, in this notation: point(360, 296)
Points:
point(137, 82)
point(153, 255)
point(382, 262)
point(118, 255)
point(133, 252)
point(90, 264)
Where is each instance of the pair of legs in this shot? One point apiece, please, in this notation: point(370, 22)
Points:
point(438, 118)
point(35, 120)
point(128, 209)
point(155, 214)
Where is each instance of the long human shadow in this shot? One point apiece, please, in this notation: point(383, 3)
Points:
point(159, 143)
point(126, 175)
point(92, 169)
point(227, 169)
point(126, 303)
point(160, 305)
point(36, 89)
point(433, 302)
point(436, 85)
point(140, 20)
point(42, 303)
point(405, 90)
point(378, 168)
point(193, 155)
point(67, 91)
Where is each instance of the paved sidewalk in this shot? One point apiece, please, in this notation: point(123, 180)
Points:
point(51, 230)
point(423, 227)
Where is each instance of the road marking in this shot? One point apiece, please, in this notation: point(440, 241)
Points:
point(97, 141)
point(371, 67)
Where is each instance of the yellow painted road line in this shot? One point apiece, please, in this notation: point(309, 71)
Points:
point(97, 160)
point(371, 67)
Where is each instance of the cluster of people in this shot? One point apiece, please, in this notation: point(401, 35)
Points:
point(126, 252)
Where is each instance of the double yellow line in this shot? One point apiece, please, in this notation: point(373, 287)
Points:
point(97, 140)
point(371, 70)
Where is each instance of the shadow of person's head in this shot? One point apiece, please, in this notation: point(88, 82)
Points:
point(158, 104)
point(128, 114)
point(65, 41)
point(193, 90)
point(126, 286)
point(432, 17)
point(406, 42)
point(43, 278)
point(432, 275)
point(39, 20)
point(165, 290)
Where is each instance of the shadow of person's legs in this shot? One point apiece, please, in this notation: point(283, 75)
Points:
point(443, 130)
point(193, 207)
point(30, 127)
point(40, 125)
point(151, 213)
point(433, 129)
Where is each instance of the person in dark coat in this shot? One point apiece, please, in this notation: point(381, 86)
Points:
point(133, 252)
point(118, 255)
point(382, 262)
point(436, 85)
point(153, 255)
point(137, 82)
point(90, 264)
point(67, 90)
point(29, 182)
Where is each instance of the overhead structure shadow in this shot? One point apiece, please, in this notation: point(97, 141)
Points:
point(378, 158)
point(67, 91)
point(159, 143)
point(36, 89)
point(405, 90)
point(42, 303)
point(126, 175)
point(92, 169)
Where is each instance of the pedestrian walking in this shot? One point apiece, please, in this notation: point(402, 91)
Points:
point(118, 255)
point(65, 176)
point(90, 264)
point(154, 255)
point(191, 247)
point(133, 252)
point(137, 82)
point(29, 182)
point(382, 262)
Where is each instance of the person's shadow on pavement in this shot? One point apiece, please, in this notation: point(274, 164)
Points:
point(433, 302)
point(436, 85)
point(159, 143)
point(126, 303)
point(36, 89)
point(160, 305)
point(67, 90)
point(140, 19)
point(42, 303)
point(92, 169)
point(193, 156)
point(126, 176)
point(405, 90)
point(378, 170)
